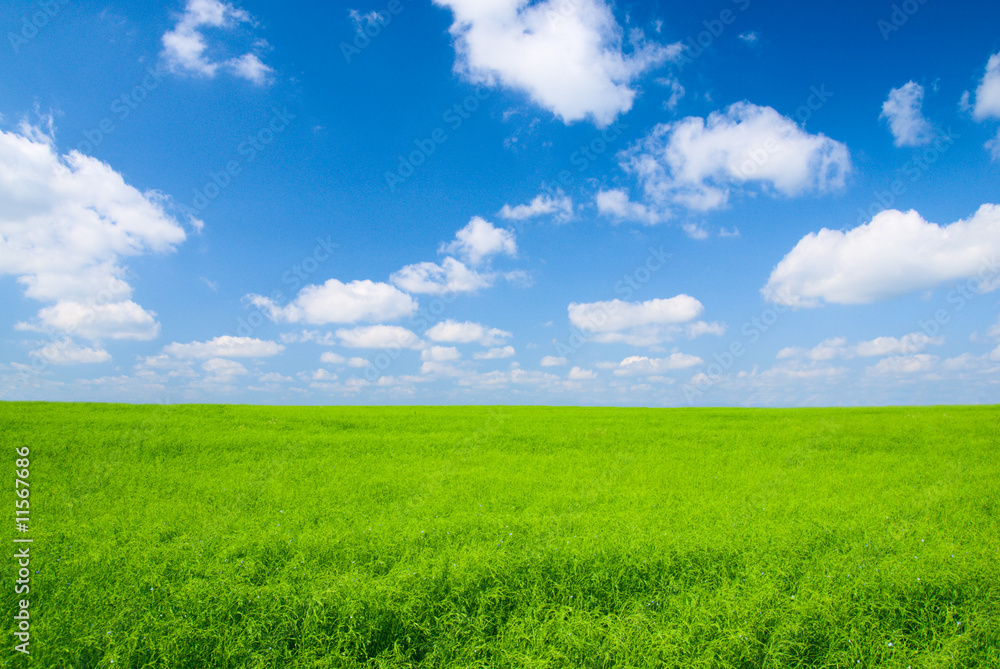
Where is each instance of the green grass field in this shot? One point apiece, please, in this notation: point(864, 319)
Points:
point(237, 536)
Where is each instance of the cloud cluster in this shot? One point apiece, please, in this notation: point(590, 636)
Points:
point(838, 348)
point(476, 244)
point(65, 226)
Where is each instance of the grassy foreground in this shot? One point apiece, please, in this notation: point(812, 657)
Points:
point(235, 536)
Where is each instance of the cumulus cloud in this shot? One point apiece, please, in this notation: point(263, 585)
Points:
point(68, 352)
point(185, 48)
point(993, 146)
point(566, 56)
point(225, 346)
point(906, 120)
point(616, 203)
point(331, 358)
point(114, 320)
point(905, 364)
point(641, 323)
point(988, 94)
point(559, 206)
point(480, 240)
point(337, 302)
point(440, 354)
point(378, 336)
point(637, 365)
point(467, 332)
point(451, 276)
point(553, 361)
point(694, 163)
point(894, 254)
point(65, 224)
point(220, 370)
point(580, 374)
point(496, 353)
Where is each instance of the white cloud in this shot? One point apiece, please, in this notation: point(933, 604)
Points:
point(894, 254)
point(440, 354)
point(837, 347)
point(222, 371)
point(553, 361)
point(677, 92)
point(274, 377)
point(911, 364)
point(993, 146)
point(357, 362)
point(496, 353)
point(994, 330)
point(616, 203)
point(225, 346)
point(579, 374)
point(694, 163)
point(186, 50)
point(911, 343)
point(454, 332)
point(559, 206)
point(451, 276)
point(749, 37)
point(378, 336)
point(618, 315)
point(68, 352)
point(642, 366)
point(479, 240)
point(435, 368)
point(65, 224)
point(988, 94)
point(115, 320)
point(336, 302)
point(906, 120)
point(641, 323)
point(324, 339)
point(567, 56)
point(331, 358)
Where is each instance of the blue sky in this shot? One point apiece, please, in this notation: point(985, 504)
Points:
point(505, 202)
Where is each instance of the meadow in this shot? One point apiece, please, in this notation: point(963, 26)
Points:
point(238, 536)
